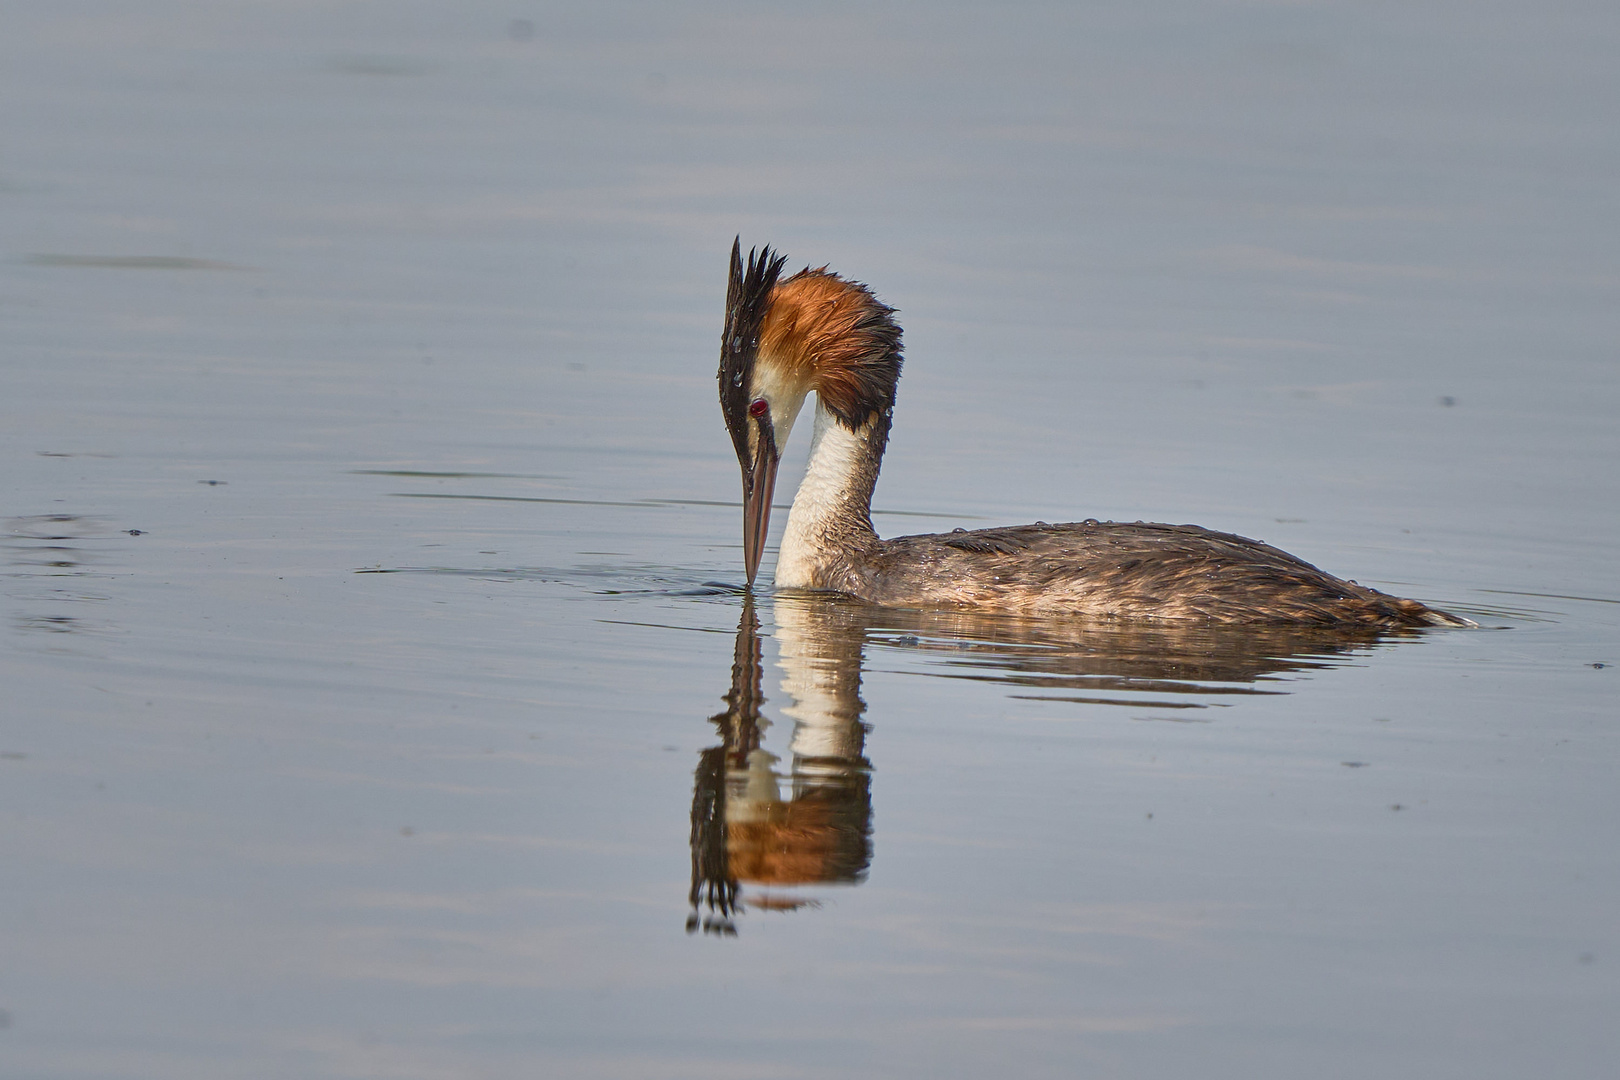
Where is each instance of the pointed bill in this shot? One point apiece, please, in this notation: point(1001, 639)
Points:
point(747, 299)
point(759, 484)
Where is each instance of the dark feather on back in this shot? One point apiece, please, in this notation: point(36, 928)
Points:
point(1140, 570)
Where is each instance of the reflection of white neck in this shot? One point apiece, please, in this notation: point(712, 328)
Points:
point(750, 796)
point(835, 452)
point(823, 709)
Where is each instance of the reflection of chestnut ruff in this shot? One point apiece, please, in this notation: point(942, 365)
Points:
point(743, 830)
point(818, 837)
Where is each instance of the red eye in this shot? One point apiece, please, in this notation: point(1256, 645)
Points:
point(758, 408)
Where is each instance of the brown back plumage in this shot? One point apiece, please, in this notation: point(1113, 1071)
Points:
point(1130, 570)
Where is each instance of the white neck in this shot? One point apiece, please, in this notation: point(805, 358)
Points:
point(835, 452)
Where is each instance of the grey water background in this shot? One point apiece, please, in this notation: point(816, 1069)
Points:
point(371, 542)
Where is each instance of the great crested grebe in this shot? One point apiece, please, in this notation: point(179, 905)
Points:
point(817, 331)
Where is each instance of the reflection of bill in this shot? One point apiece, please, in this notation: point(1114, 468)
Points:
point(754, 824)
point(751, 822)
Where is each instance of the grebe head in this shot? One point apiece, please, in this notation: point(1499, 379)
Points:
point(814, 331)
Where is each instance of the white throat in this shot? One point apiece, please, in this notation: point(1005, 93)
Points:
point(823, 494)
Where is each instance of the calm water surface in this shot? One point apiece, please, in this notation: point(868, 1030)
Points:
point(379, 696)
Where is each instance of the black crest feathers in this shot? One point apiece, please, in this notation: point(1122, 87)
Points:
point(747, 297)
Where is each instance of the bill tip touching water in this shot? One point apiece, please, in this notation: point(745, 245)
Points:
point(814, 331)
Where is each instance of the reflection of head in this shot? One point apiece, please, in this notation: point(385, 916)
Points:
point(744, 830)
point(819, 838)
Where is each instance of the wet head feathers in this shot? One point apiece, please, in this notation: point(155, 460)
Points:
point(748, 295)
point(814, 331)
point(838, 338)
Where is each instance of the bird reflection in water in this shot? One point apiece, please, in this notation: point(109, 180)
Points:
point(757, 824)
point(743, 828)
